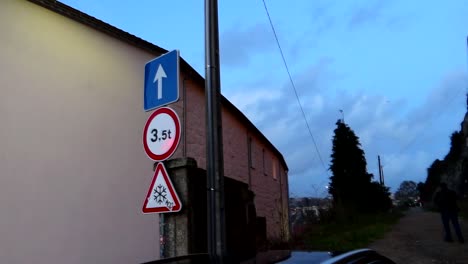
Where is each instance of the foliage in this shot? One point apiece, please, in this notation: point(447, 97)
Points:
point(463, 204)
point(434, 173)
point(420, 188)
point(456, 146)
point(359, 233)
point(380, 197)
point(407, 190)
point(350, 184)
point(439, 167)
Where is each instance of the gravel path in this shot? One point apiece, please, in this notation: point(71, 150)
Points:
point(417, 239)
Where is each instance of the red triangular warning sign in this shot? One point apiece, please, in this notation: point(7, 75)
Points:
point(161, 197)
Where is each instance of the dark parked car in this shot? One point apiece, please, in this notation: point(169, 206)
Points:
point(359, 256)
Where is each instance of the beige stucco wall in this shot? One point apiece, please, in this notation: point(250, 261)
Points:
point(73, 173)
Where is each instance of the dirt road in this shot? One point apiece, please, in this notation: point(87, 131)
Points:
point(417, 239)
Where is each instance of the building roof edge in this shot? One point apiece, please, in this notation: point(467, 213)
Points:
point(83, 18)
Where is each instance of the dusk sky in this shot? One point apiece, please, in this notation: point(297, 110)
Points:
point(397, 70)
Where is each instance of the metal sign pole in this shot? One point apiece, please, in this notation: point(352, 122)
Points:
point(214, 139)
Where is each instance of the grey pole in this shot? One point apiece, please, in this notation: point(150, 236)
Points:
point(380, 170)
point(214, 139)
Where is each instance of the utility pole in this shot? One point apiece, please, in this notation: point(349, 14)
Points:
point(380, 169)
point(381, 177)
point(214, 139)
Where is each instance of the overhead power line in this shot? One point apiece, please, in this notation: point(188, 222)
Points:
point(294, 86)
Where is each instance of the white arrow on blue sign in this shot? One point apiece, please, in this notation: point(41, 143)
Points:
point(161, 81)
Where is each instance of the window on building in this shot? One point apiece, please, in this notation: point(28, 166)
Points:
point(250, 153)
point(263, 161)
point(274, 169)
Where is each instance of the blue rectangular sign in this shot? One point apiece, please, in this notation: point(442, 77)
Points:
point(161, 81)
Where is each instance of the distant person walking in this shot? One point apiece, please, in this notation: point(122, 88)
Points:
point(446, 201)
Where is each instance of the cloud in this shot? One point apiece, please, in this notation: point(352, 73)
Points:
point(238, 46)
point(407, 132)
point(322, 20)
point(322, 17)
point(367, 14)
point(441, 99)
point(267, 100)
point(379, 12)
point(331, 22)
point(408, 139)
point(411, 141)
point(277, 113)
point(406, 166)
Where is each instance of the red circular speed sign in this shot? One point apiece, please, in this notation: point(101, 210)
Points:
point(161, 135)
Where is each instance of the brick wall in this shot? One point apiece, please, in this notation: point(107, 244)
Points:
point(270, 194)
point(269, 199)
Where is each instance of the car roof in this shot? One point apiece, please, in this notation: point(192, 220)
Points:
point(364, 255)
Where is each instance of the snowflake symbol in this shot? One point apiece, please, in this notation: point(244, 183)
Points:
point(160, 194)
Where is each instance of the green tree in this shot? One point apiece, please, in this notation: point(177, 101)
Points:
point(440, 167)
point(350, 185)
point(407, 190)
point(421, 189)
point(380, 197)
point(434, 173)
point(456, 146)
